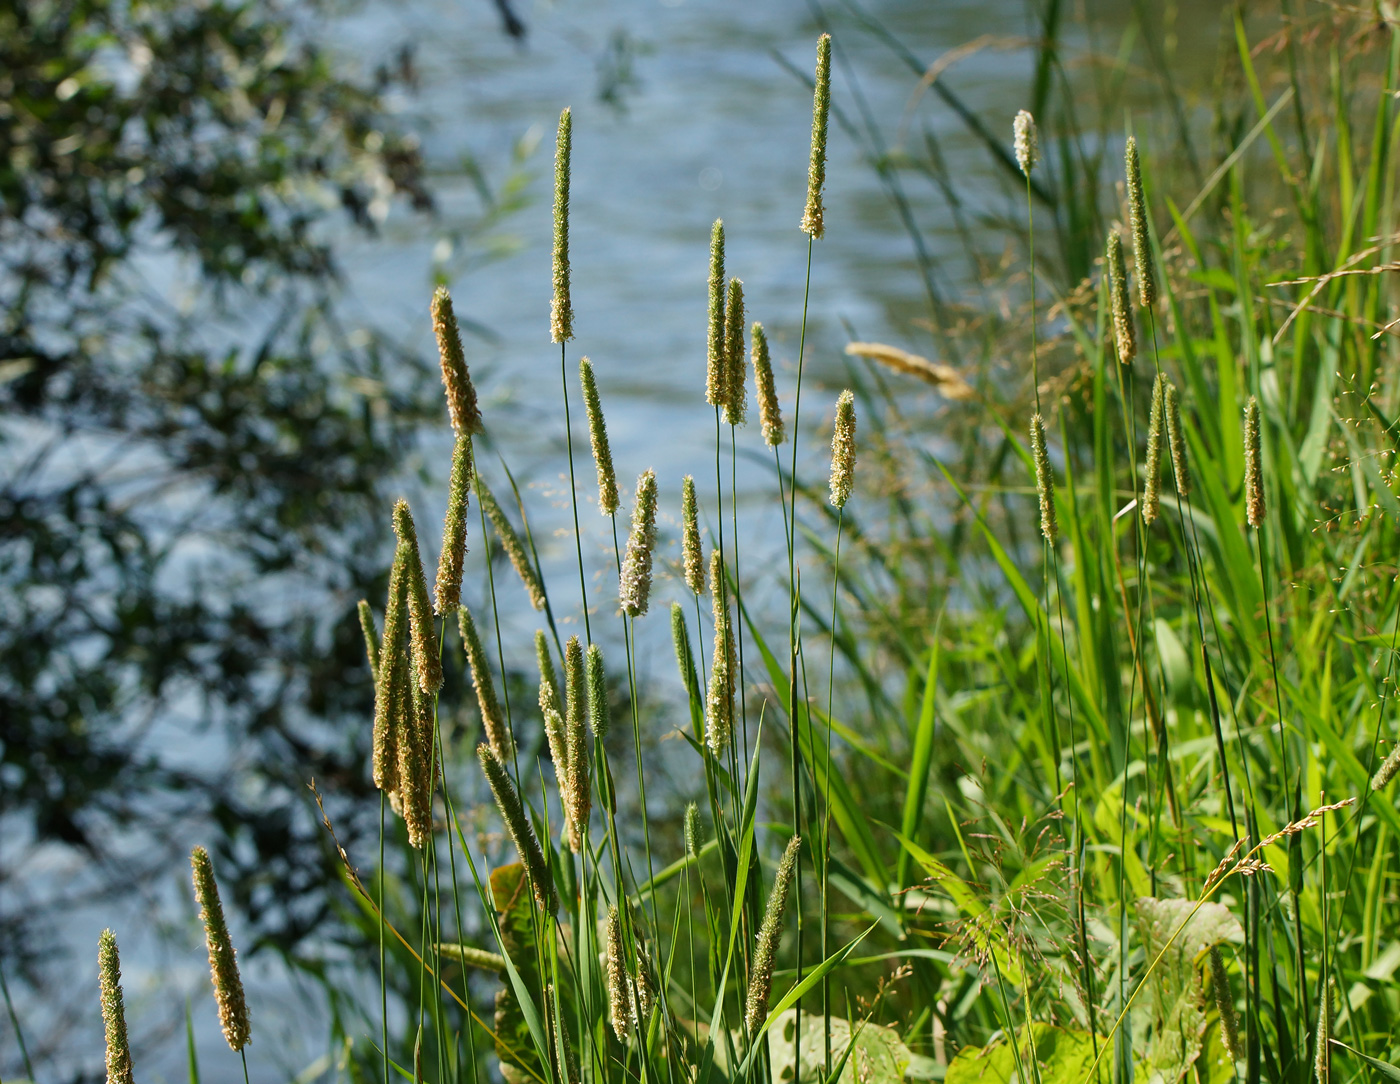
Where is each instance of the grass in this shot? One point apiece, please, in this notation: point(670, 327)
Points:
point(1066, 808)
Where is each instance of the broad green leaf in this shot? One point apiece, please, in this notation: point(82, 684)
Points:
point(1061, 1056)
point(876, 1055)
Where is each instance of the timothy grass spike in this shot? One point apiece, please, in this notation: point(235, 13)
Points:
point(634, 581)
point(680, 640)
point(1322, 1060)
point(715, 374)
point(813, 214)
point(1152, 487)
point(575, 743)
point(769, 934)
point(1388, 769)
point(385, 758)
point(422, 633)
point(493, 721)
point(1026, 141)
point(692, 553)
point(521, 831)
point(417, 765)
point(561, 313)
point(371, 638)
point(1044, 481)
point(447, 591)
point(621, 1007)
point(109, 977)
point(765, 391)
point(462, 406)
point(1224, 1003)
point(1137, 213)
point(598, 437)
point(736, 407)
point(598, 715)
point(471, 956)
point(1124, 331)
point(692, 830)
point(843, 449)
point(549, 680)
point(510, 542)
point(1253, 466)
point(719, 720)
point(223, 961)
point(1176, 440)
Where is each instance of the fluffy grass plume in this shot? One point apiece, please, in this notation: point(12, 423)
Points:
point(1152, 486)
point(598, 437)
point(1044, 480)
point(813, 214)
point(371, 635)
point(577, 790)
point(561, 312)
point(1124, 331)
point(765, 391)
point(1176, 440)
point(386, 691)
point(223, 962)
point(634, 580)
point(109, 978)
point(715, 374)
point(493, 720)
point(692, 553)
point(422, 631)
point(945, 378)
point(462, 406)
point(765, 954)
point(1137, 214)
point(447, 591)
point(1026, 141)
point(518, 826)
point(843, 449)
point(511, 543)
point(1253, 466)
point(719, 718)
point(736, 405)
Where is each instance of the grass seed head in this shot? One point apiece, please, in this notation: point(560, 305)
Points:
point(371, 638)
point(518, 826)
point(1027, 142)
point(843, 449)
point(1044, 480)
point(462, 406)
point(1224, 1003)
point(719, 720)
point(109, 978)
point(1152, 487)
point(549, 680)
point(1176, 440)
point(1253, 466)
point(813, 214)
point(223, 962)
point(447, 591)
point(1387, 771)
point(692, 830)
point(736, 406)
point(578, 794)
point(388, 678)
point(597, 681)
point(621, 1007)
point(1124, 331)
point(421, 629)
point(680, 640)
point(561, 313)
point(417, 765)
point(692, 552)
point(769, 934)
point(598, 437)
point(1322, 1061)
point(634, 581)
point(493, 720)
point(769, 415)
point(715, 374)
point(1137, 212)
point(510, 542)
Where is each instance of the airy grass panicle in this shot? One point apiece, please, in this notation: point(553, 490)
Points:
point(371, 638)
point(421, 629)
point(447, 591)
point(715, 372)
point(493, 720)
point(109, 977)
point(462, 405)
point(1176, 441)
point(1124, 331)
point(510, 542)
point(736, 406)
point(692, 553)
point(843, 449)
point(1253, 466)
point(719, 719)
point(1152, 485)
point(1137, 214)
point(634, 580)
point(1026, 141)
point(598, 437)
point(518, 826)
point(765, 954)
point(578, 790)
point(765, 391)
point(561, 312)
point(386, 691)
point(1044, 480)
point(813, 214)
point(223, 961)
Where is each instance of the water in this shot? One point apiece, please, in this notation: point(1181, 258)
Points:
point(681, 115)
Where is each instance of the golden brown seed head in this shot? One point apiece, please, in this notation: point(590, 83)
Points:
point(715, 374)
point(561, 313)
point(598, 437)
point(1124, 331)
point(764, 388)
point(421, 628)
point(1044, 480)
point(448, 589)
point(518, 826)
point(493, 720)
point(1151, 490)
point(1026, 141)
point(736, 407)
point(510, 542)
point(1137, 213)
point(843, 449)
point(634, 581)
point(691, 551)
point(1176, 440)
point(223, 963)
point(109, 977)
point(462, 406)
point(769, 934)
point(1253, 466)
point(813, 215)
